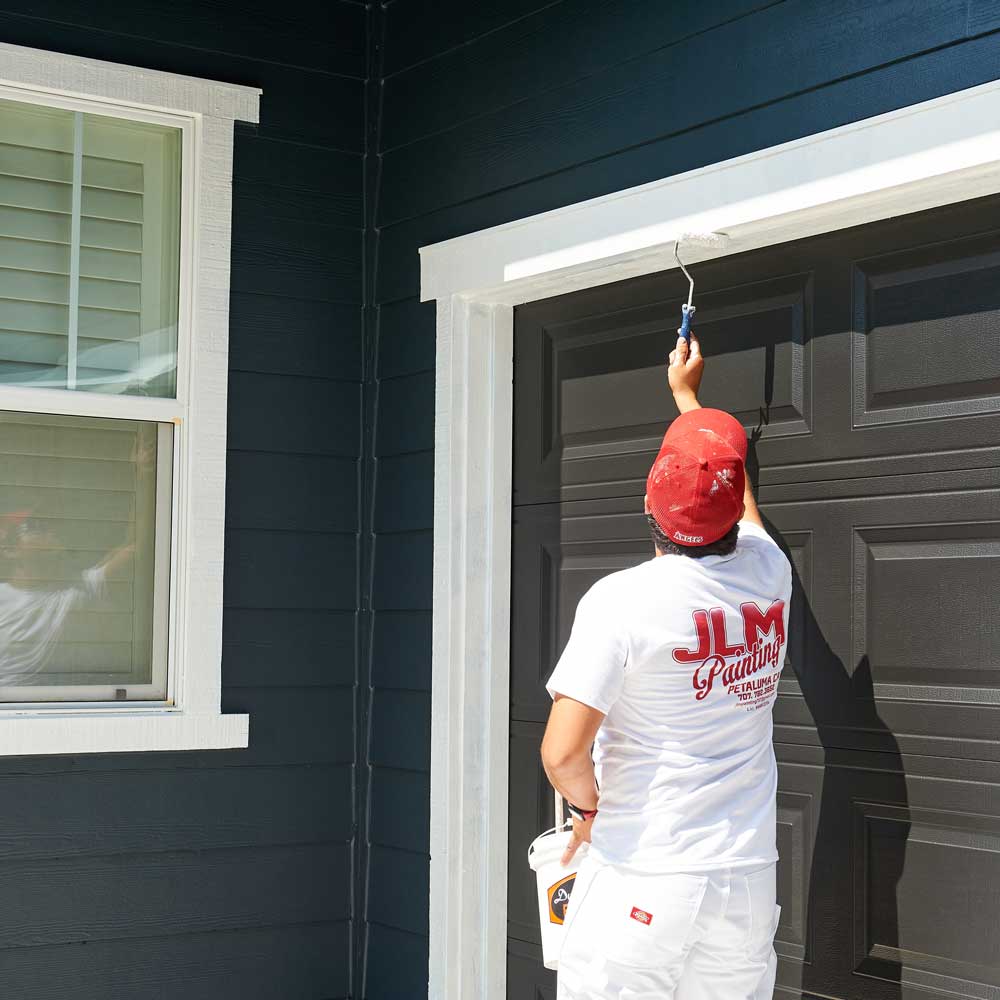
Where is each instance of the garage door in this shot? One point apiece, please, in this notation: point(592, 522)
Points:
point(867, 365)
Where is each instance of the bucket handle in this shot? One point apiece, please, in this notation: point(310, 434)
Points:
point(560, 826)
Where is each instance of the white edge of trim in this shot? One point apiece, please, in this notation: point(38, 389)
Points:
point(469, 710)
point(126, 733)
point(131, 85)
point(199, 414)
point(936, 152)
point(950, 158)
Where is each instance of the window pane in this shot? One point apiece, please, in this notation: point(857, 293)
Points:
point(84, 557)
point(89, 251)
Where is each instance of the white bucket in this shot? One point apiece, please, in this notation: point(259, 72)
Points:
point(555, 883)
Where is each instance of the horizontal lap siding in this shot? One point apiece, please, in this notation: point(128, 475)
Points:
point(216, 875)
point(499, 110)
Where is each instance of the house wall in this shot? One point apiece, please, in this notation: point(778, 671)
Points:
point(495, 111)
point(215, 875)
point(203, 875)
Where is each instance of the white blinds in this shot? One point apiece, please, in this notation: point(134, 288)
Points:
point(82, 584)
point(89, 251)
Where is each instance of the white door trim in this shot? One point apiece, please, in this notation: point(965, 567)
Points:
point(918, 157)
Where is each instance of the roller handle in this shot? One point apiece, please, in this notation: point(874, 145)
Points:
point(684, 330)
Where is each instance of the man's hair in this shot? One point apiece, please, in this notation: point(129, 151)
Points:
point(721, 547)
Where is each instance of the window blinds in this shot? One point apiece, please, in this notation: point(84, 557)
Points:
point(78, 551)
point(89, 248)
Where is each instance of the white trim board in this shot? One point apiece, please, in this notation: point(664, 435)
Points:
point(931, 154)
point(205, 112)
point(133, 86)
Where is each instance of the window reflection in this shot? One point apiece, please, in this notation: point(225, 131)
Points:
point(84, 542)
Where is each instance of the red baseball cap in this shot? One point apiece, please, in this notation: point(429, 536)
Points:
point(695, 487)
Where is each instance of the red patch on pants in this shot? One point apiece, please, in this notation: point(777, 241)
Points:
point(641, 915)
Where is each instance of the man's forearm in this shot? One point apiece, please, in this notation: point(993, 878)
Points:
point(686, 401)
point(574, 780)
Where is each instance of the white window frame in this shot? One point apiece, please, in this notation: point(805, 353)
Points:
point(204, 111)
point(926, 155)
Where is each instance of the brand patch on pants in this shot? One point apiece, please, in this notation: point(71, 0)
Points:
point(642, 916)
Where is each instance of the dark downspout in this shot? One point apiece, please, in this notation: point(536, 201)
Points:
point(375, 26)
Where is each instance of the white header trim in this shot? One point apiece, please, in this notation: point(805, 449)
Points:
point(208, 110)
point(927, 155)
point(132, 86)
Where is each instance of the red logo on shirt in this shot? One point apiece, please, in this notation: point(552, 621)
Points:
point(642, 916)
point(714, 652)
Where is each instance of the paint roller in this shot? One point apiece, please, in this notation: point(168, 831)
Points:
point(713, 241)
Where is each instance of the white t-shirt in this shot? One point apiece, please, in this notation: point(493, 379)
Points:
point(683, 656)
point(31, 623)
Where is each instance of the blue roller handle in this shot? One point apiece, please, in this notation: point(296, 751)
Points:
point(685, 328)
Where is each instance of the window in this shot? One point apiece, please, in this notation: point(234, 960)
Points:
point(114, 265)
point(90, 221)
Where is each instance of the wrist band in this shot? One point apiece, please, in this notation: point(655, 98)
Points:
point(583, 815)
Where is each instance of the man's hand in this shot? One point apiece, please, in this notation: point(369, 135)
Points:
point(684, 373)
point(581, 835)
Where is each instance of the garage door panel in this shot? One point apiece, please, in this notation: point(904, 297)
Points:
point(927, 332)
point(766, 362)
point(527, 978)
point(594, 387)
point(945, 633)
point(558, 552)
point(800, 790)
point(585, 390)
point(910, 858)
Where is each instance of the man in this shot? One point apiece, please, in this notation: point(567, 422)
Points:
point(670, 674)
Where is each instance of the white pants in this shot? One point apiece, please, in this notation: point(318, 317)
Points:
point(669, 937)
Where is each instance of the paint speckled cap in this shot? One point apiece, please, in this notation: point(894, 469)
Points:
point(695, 487)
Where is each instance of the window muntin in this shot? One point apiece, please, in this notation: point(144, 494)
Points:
point(90, 240)
point(85, 513)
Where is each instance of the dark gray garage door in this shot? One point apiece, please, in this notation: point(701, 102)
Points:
point(867, 364)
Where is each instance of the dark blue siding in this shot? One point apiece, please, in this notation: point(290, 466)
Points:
point(204, 876)
point(497, 110)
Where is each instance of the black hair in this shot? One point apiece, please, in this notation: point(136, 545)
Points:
point(723, 546)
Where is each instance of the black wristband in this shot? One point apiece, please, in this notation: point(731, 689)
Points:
point(583, 815)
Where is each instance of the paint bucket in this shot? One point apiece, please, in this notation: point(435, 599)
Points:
point(555, 883)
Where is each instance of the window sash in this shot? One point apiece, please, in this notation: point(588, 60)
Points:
point(158, 691)
point(45, 400)
point(174, 410)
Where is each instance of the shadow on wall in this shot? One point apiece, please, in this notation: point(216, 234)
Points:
point(842, 701)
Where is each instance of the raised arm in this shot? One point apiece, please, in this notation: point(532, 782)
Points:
point(684, 372)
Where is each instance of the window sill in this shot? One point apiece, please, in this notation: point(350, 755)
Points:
point(128, 732)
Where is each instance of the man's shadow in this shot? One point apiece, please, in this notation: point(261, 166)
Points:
point(851, 928)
